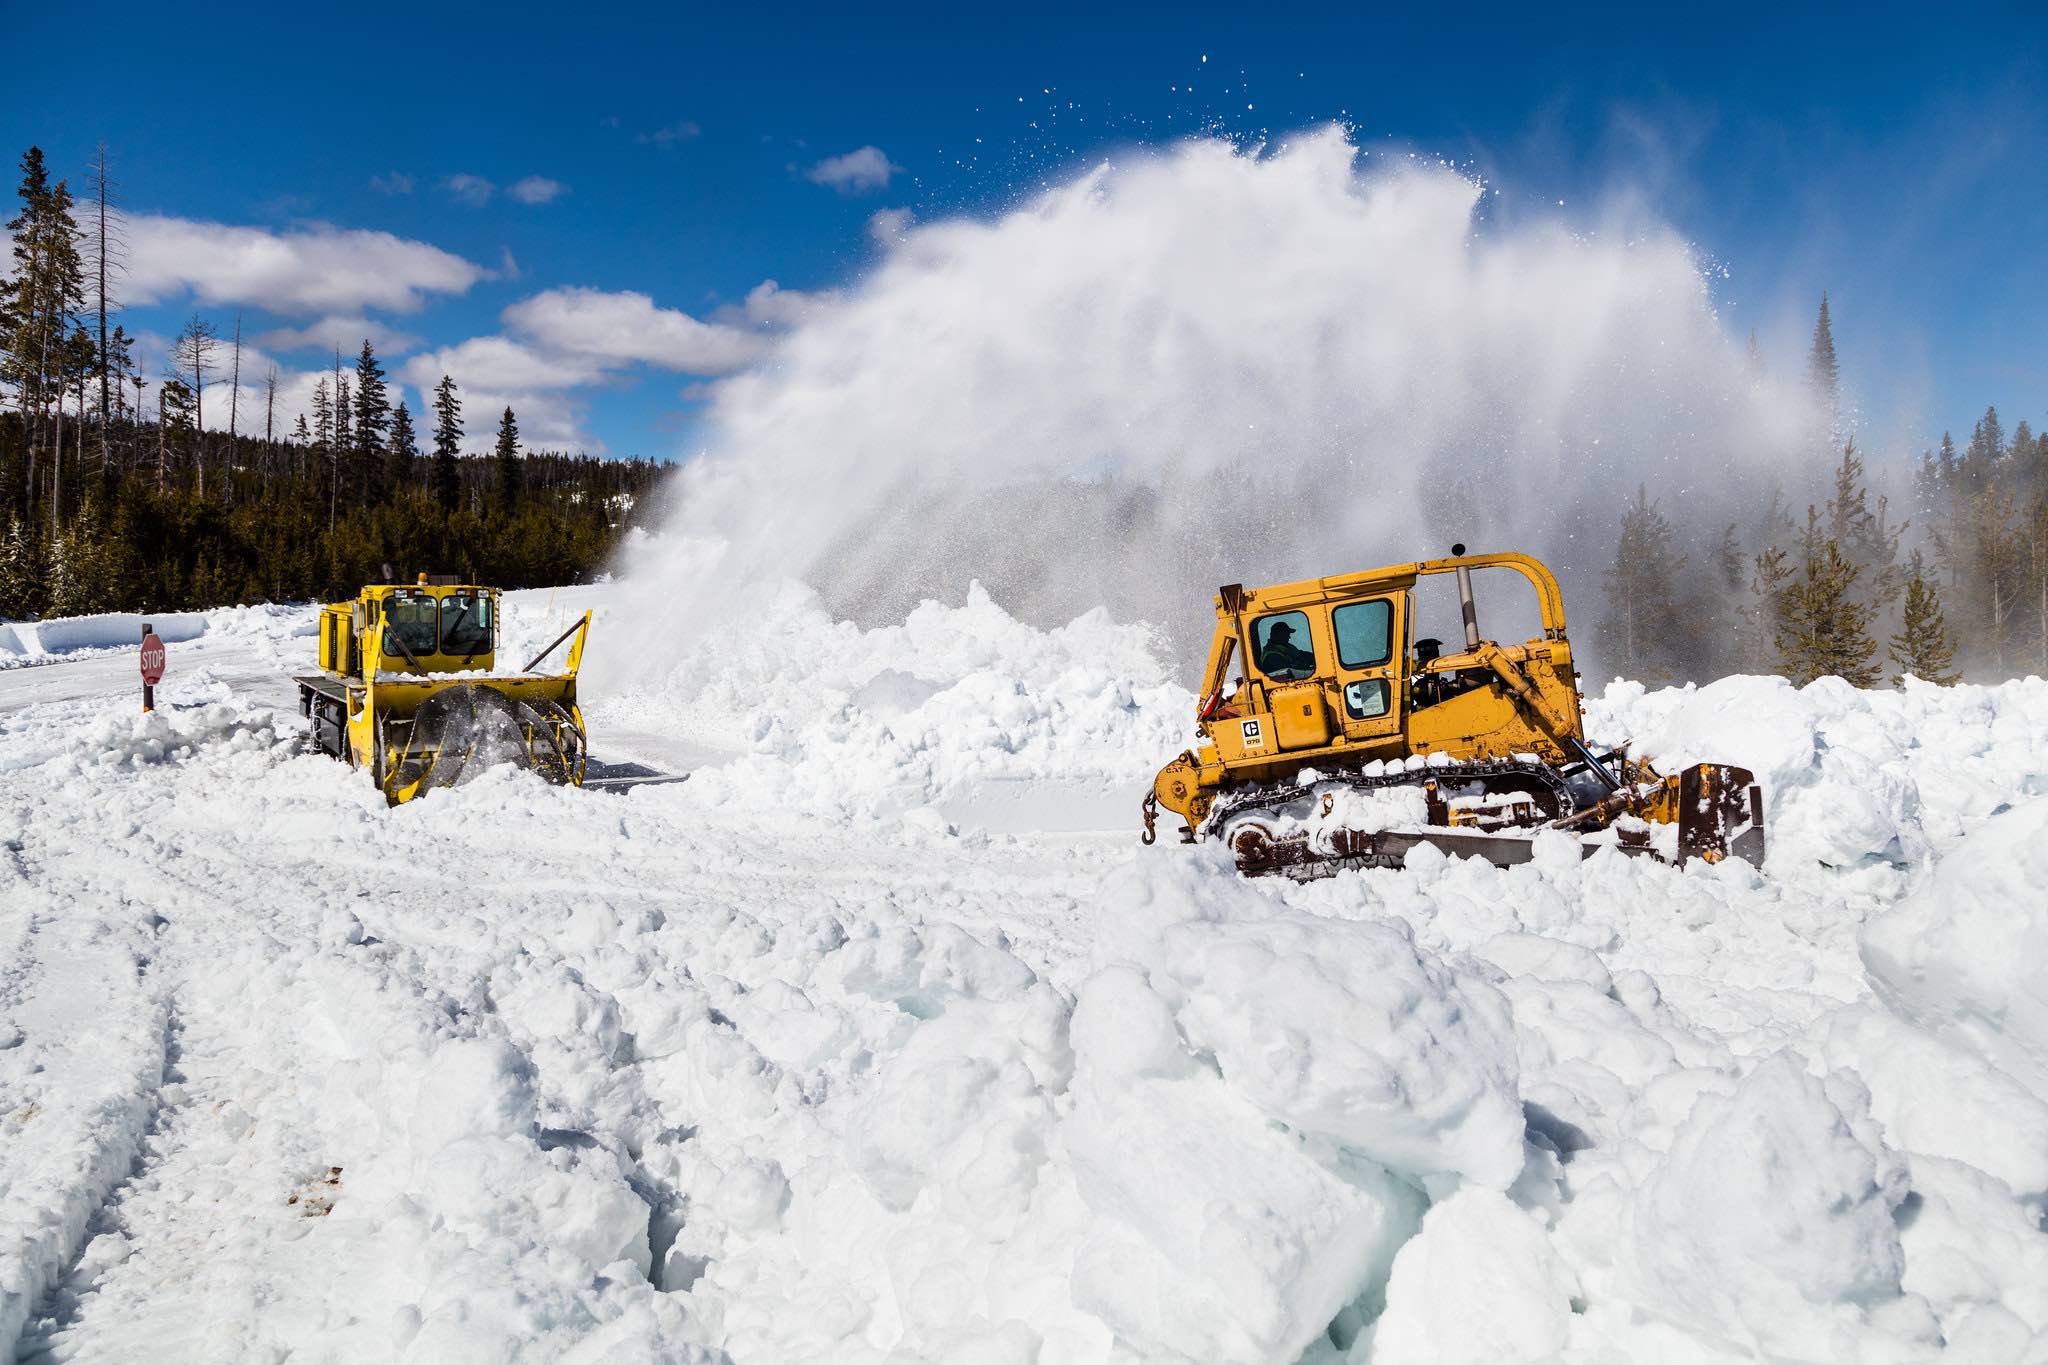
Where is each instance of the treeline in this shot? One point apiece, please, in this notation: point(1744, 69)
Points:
point(1848, 587)
point(104, 505)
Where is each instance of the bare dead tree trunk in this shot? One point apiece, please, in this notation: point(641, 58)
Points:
point(135, 444)
point(57, 466)
point(269, 416)
point(235, 381)
point(103, 187)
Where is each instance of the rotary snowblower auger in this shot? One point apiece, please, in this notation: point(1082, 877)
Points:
point(407, 689)
point(1344, 741)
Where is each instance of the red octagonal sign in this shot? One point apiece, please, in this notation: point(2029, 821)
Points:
point(152, 659)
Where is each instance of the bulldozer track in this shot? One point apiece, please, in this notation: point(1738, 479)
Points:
point(1389, 849)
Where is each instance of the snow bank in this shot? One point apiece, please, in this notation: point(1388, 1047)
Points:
point(1849, 776)
point(70, 637)
point(1481, 1284)
point(1963, 956)
point(1771, 1217)
point(1344, 1030)
point(851, 723)
point(788, 1062)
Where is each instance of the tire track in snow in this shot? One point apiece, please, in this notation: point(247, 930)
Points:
point(80, 1081)
point(203, 1250)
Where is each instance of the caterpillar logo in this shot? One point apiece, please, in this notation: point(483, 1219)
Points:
point(1254, 733)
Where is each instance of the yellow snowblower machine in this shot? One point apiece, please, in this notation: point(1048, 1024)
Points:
point(408, 689)
point(1344, 741)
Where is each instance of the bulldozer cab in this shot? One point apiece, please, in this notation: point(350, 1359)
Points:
point(1332, 664)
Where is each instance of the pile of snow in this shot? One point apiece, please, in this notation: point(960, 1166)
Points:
point(1963, 958)
point(847, 723)
point(72, 637)
point(782, 1063)
point(1850, 776)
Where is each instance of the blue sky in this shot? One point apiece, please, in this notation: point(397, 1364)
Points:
point(574, 211)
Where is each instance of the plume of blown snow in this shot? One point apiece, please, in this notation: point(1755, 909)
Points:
point(1209, 364)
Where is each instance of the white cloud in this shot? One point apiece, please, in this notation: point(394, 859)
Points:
point(768, 304)
point(536, 189)
point(619, 327)
point(494, 372)
point(397, 182)
point(675, 132)
point(500, 362)
point(470, 189)
point(861, 171)
point(562, 340)
point(548, 420)
point(346, 331)
point(888, 225)
point(313, 269)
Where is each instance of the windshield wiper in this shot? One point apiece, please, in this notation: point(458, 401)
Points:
point(449, 634)
point(410, 658)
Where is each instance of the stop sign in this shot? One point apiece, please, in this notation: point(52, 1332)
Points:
point(152, 659)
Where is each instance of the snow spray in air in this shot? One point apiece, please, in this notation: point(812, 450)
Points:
point(1209, 364)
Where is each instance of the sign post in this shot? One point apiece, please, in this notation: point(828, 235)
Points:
point(152, 666)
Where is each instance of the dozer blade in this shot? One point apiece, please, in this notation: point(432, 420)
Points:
point(458, 731)
point(1720, 814)
point(619, 777)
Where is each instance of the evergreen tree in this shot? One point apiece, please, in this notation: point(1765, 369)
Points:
point(372, 415)
point(1764, 612)
point(508, 462)
point(1995, 575)
point(1642, 633)
point(1821, 370)
point(400, 453)
point(1728, 559)
point(344, 436)
point(1823, 631)
point(1923, 647)
point(323, 445)
point(22, 575)
point(45, 295)
point(1867, 537)
point(447, 444)
point(1985, 453)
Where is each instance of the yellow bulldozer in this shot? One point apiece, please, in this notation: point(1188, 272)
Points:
point(408, 689)
point(1344, 741)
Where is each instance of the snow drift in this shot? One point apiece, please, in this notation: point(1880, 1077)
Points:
point(814, 1058)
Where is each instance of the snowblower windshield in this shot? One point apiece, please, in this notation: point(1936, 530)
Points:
point(409, 624)
point(466, 623)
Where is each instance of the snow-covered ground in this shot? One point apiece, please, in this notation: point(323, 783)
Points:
point(882, 1039)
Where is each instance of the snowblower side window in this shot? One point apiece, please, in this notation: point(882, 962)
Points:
point(466, 623)
point(409, 619)
point(1283, 647)
point(1365, 633)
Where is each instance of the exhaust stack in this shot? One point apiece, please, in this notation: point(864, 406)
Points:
point(1465, 603)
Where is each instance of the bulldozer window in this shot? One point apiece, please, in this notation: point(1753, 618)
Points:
point(1367, 699)
point(1365, 633)
point(1283, 647)
point(409, 617)
point(465, 623)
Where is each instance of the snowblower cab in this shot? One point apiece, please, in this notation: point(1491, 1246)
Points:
point(1343, 740)
point(408, 687)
